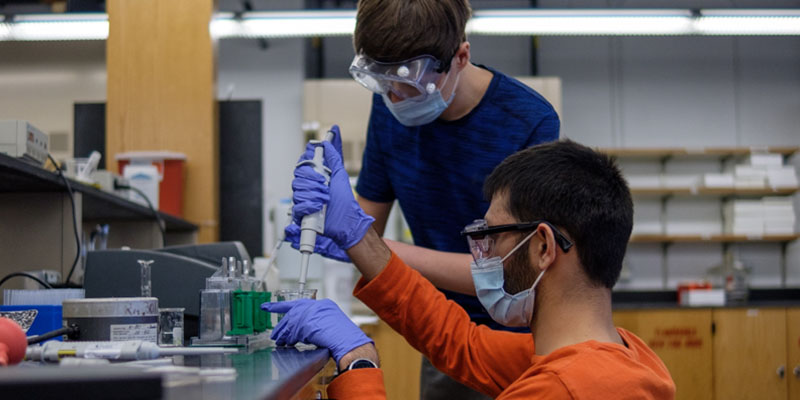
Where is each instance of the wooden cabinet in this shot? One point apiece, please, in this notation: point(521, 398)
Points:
point(724, 353)
point(400, 362)
point(317, 387)
point(682, 338)
point(793, 352)
point(749, 349)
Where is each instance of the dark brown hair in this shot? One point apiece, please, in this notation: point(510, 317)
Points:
point(396, 30)
point(577, 189)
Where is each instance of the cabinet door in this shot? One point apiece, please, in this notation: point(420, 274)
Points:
point(682, 338)
point(317, 386)
point(793, 346)
point(749, 349)
point(401, 363)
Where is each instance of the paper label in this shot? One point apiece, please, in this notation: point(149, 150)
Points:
point(146, 332)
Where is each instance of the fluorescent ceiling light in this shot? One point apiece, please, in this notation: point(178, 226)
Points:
point(523, 22)
point(55, 27)
point(283, 24)
point(621, 22)
point(580, 22)
point(748, 22)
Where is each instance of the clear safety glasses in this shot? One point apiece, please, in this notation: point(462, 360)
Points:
point(480, 236)
point(411, 79)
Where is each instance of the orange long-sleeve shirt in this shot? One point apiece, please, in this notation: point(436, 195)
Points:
point(497, 363)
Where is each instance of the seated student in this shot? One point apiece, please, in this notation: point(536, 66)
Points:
point(547, 254)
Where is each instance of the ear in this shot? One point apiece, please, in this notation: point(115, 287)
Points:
point(543, 247)
point(462, 57)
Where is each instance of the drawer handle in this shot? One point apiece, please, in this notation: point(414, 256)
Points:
point(796, 371)
point(782, 371)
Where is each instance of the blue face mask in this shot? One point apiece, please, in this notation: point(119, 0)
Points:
point(509, 310)
point(411, 112)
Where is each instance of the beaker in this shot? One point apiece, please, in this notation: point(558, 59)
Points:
point(170, 326)
point(294, 294)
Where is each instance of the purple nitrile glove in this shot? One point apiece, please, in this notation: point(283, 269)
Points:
point(345, 222)
point(317, 322)
point(324, 246)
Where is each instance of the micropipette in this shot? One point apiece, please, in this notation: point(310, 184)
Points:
point(313, 224)
point(53, 351)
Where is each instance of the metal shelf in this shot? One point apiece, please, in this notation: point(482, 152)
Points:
point(17, 176)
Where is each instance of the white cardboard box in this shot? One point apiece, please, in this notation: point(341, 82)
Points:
point(765, 160)
point(704, 297)
point(718, 180)
point(644, 181)
point(678, 181)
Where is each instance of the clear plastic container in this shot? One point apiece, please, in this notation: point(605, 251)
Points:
point(294, 294)
point(215, 314)
point(170, 327)
point(737, 288)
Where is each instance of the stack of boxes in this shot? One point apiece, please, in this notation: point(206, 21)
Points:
point(779, 216)
point(756, 171)
point(768, 216)
point(693, 216)
point(764, 170)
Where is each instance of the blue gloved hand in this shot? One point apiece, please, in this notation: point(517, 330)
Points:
point(317, 322)
point(345, 222)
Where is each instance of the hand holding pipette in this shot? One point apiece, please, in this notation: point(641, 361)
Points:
point(324, 204)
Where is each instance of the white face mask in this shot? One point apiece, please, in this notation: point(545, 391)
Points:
point(509, 310)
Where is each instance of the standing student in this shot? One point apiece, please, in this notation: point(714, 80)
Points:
point(439, 124)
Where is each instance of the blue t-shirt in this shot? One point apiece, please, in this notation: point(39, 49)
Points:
point(436, 171)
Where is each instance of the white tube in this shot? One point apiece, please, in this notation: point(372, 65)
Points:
point(53, 351)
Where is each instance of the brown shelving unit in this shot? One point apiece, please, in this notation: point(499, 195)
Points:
point(700, 151)
point(705, 191)
point(644, 238)
point(717, 159)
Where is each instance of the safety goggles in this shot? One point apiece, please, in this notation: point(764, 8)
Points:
point(480, 236)
point(411, 79)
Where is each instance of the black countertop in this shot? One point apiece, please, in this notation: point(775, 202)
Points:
point(651, 299)
point(272, 373)
point(17, 176)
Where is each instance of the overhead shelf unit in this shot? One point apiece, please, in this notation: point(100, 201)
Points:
point(36, 231)
point(20, 177)
point(685, 196)
point(705, 175)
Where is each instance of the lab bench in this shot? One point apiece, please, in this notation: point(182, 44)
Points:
point(272, 373)
point(36, 229)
